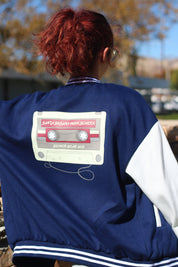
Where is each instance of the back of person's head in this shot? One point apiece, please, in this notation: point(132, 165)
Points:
point(72, 41)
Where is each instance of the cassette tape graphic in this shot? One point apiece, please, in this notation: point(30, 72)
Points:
point(69, 137)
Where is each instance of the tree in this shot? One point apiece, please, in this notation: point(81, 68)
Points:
point(18, 20)
point(140, 20)
point(174, 80)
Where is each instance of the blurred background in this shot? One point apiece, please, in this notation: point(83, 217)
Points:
point(145, 31)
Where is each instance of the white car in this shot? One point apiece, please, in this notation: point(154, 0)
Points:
point(171, 105)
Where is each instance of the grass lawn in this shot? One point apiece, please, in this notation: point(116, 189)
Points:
point(170, 116)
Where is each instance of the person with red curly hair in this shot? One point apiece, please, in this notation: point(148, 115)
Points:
point(73, 42)
point(87, 174)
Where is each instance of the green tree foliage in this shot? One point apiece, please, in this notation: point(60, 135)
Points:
point(174, 80)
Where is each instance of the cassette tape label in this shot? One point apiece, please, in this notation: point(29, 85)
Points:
point(64, 137)
point(68, 123)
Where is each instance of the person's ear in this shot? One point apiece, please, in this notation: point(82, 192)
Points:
point(106, 55)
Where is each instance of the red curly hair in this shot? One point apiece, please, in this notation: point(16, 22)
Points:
point(72, 40)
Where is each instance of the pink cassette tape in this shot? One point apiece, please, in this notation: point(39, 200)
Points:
point(69, 137)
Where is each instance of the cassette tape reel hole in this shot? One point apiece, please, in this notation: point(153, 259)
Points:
point(52, 135)
point(82, 136)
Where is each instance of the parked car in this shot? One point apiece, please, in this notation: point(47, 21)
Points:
point(157, 107)
point(172, 105)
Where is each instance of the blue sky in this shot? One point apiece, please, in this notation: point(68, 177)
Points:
point(168, 49)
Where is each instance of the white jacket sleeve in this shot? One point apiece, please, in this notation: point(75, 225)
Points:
point(154, 168)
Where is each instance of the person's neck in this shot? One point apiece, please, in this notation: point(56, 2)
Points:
point(93, 73)
point(89, 75)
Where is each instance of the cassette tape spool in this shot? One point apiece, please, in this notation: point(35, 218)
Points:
point(76, 138)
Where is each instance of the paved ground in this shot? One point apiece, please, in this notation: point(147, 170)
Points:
point(169, 122)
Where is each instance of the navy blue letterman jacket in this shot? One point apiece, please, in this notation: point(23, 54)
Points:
point(88, 176)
